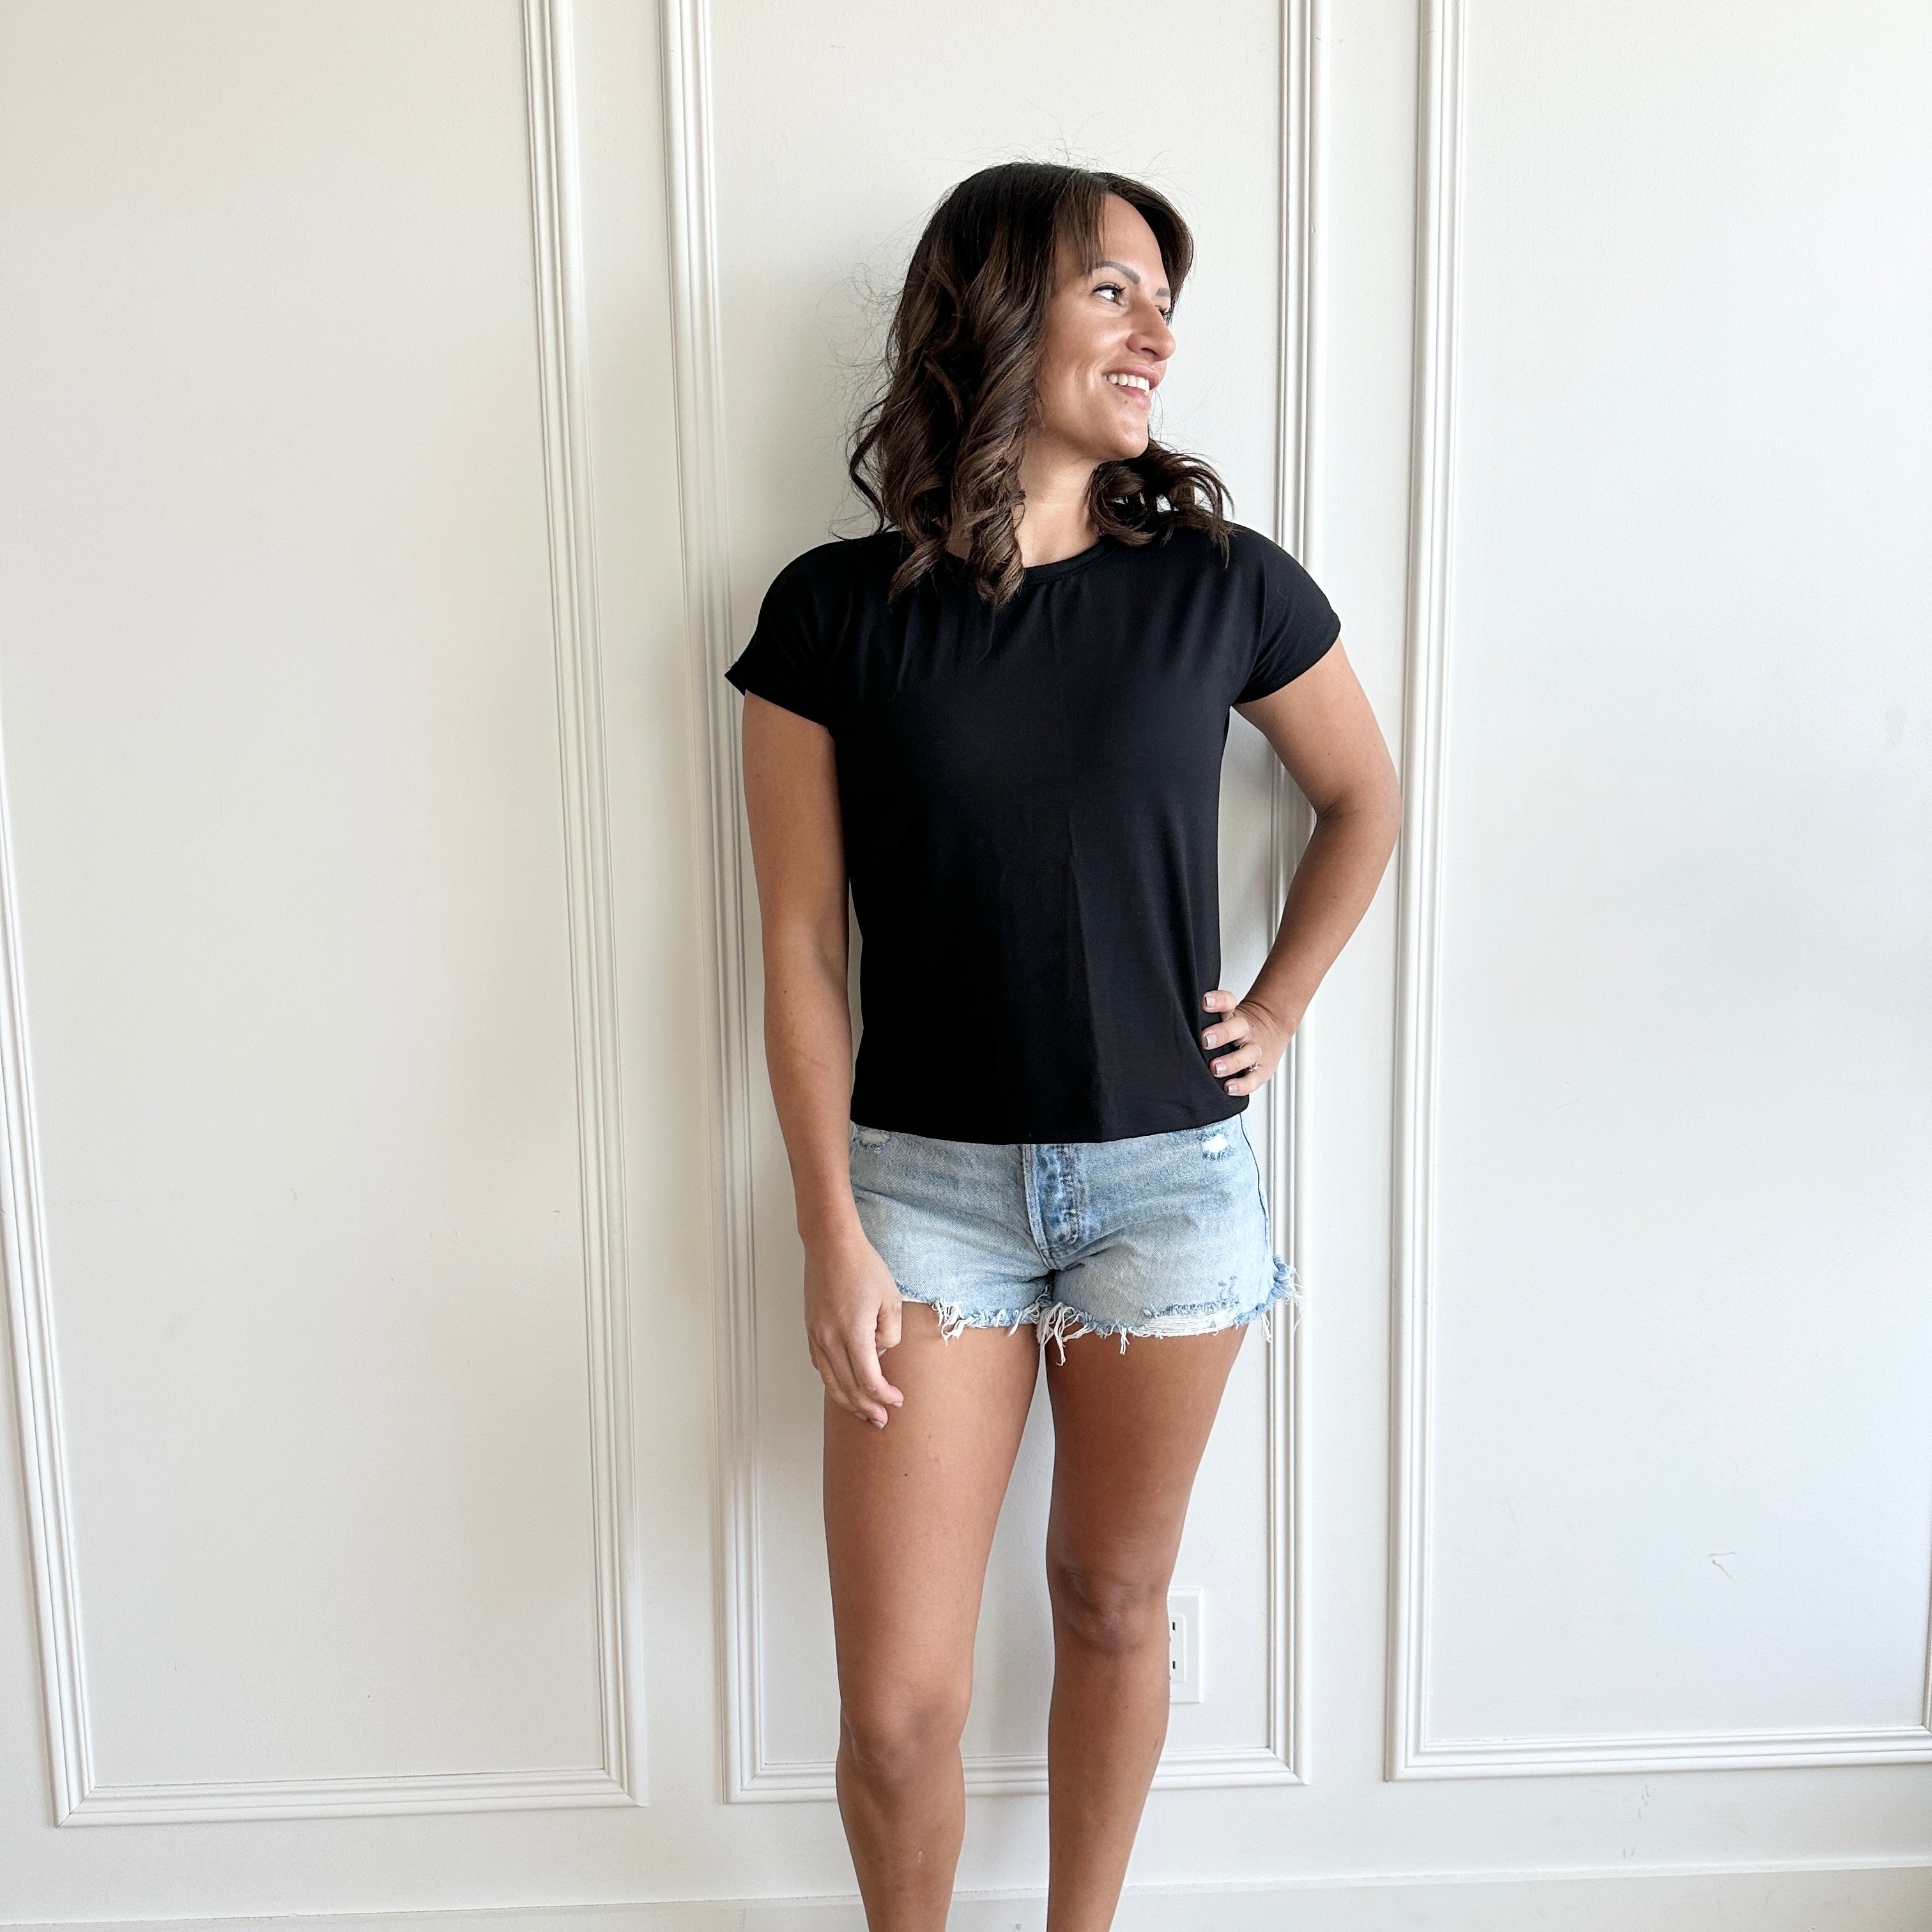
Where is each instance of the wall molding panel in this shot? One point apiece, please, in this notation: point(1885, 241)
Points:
point(1288, 1101)
point(749, 1774)
point(691, 221)
point(1411, 1751)
point(79, 1798)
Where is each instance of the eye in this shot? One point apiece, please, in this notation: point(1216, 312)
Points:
point(1120, 288)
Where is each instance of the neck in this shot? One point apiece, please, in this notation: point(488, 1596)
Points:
point(1052, 523)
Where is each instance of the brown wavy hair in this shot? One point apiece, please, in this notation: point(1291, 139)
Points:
point(937, 450)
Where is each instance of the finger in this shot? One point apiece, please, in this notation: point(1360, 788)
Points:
point(873, 1388)
point(861, 1405)
point(1220, 1000)
point(833, 1371)
point(833, 1393)
point(888, 1325)
point(1242, 1056)
point(1231, 1032)
point(836, 1348)
point(845, 1366)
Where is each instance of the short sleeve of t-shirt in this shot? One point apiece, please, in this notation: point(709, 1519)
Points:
point(785, 660)
point(1298, 626)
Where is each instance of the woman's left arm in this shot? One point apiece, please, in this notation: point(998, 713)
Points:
point(1324, 731)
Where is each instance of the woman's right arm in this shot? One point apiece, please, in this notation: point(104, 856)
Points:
point(798, 854)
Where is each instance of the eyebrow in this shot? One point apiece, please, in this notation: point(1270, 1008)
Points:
point(1132, 275)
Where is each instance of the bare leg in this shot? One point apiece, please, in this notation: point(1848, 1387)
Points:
point(1128, 1431)
point(909, 1513)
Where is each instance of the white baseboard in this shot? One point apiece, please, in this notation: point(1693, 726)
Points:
point(1849, 1898)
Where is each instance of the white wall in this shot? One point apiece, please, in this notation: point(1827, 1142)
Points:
point(415, 1457)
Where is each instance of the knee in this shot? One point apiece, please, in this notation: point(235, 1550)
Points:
point(1115, 1611)
point(894, 1736)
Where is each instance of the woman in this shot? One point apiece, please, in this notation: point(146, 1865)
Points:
point(1001, 718)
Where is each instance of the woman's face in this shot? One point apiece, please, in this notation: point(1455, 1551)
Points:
point(1106, 347)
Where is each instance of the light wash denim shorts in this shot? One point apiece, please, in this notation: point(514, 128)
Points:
point(1157, 1234)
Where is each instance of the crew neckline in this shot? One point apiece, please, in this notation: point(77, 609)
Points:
point(1064, 566)
point(1061, 566)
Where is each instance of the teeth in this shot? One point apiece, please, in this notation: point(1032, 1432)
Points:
point(1131, 382)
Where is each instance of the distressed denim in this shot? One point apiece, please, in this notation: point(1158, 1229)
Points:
point(1158, 1235)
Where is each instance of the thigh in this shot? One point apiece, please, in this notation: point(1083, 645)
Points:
point(910, 1508)
point(1129, 1429)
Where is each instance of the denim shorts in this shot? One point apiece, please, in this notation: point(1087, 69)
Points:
point(1158, 1235)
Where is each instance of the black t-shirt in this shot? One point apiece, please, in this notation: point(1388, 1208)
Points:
point(1031, 802)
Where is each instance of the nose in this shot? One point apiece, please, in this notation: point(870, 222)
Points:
point(1151, 330)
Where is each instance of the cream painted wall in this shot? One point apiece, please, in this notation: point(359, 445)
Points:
point(405, 408)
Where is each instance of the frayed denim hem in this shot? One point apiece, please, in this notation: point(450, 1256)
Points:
point(1287, 1290)
point(1060, 1321)
point(953, 1316)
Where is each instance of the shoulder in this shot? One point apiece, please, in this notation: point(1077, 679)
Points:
point(1250, 555)
point(1259, 556)
point(1262, 569)
point(838, 569)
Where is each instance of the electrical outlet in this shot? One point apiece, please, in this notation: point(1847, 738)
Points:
point(1183, 1646)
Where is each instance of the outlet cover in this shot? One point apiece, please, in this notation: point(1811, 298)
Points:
point(1183, 1646)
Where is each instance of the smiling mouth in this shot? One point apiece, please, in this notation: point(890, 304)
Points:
point(1136, 389)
